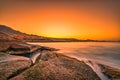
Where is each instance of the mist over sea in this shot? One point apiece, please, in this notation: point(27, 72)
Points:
point(107, 53)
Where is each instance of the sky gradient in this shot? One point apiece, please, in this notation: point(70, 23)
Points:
point(83, 19)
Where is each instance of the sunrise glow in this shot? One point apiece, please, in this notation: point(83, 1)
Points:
point(83, 20)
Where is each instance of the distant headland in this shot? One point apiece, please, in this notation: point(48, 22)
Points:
point(9, 34)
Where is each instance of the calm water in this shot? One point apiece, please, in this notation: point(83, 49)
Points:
point(92, 53)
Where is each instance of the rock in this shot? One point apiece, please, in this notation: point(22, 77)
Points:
point(17, 48)
point(12, 65)
point(54, 66)
point(5, 45)
point(112, 73)
point(5, 37)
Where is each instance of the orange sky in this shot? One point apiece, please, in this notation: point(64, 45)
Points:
point(82, 20)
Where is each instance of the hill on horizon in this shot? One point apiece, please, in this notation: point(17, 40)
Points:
point(11, 34)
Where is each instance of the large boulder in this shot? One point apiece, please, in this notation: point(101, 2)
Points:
point(12, 65)
point(54, 66)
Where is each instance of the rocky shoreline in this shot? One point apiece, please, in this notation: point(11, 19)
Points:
point(15, 57)
point(55, 66)
point(16, 64)
point(110, 72)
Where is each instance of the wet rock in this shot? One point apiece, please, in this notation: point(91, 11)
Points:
point(112, 73)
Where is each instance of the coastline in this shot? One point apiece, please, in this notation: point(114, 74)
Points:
point(58, 64)
point(48, 65)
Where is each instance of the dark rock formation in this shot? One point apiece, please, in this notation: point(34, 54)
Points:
point(112, 73)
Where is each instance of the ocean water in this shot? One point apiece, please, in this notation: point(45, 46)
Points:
point(92, 53)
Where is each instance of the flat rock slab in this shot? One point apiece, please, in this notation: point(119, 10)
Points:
point(58, 67)
point(11, 65)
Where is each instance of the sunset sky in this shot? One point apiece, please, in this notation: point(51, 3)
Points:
point(81, 19)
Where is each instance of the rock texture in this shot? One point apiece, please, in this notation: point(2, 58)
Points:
point(11, 65)
point(16, 47)
point(54, 66)
point(112, 73)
